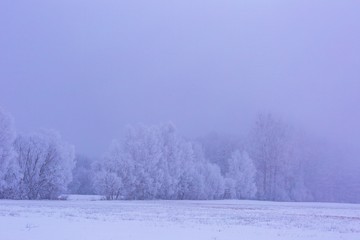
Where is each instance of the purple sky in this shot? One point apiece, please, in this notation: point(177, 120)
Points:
point(88, 68)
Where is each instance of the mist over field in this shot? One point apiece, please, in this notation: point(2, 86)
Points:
point(182, 100)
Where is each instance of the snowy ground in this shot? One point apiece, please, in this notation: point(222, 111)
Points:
point(88, 219)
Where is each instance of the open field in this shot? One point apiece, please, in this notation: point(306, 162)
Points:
point(84, 219)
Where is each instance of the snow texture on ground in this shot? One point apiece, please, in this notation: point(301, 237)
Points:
point(89, 219)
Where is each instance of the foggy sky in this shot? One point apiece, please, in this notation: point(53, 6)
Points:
point(89, 68)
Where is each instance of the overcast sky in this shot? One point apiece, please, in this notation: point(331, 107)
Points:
point(88, 68)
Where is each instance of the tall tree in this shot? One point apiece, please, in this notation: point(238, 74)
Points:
point(83, 176)
point(8, 168)
point(272, 148)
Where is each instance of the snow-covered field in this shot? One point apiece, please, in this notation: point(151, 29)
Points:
point(87, 219)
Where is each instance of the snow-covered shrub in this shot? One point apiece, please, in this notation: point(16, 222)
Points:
point(45, 163)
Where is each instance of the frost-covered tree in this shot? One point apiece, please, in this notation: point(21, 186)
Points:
point(268, 148)
point(82, 176)
point(242, 172)
point(114, 174)
point(219, 147)
point(156, 163)
point(214, 184)
point(276, 155)
point(8, 168)
point(108, 184)
point(45, 165)
point(168, 165)
point(142, 151)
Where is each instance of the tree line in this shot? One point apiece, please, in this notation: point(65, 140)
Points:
point(274, 162)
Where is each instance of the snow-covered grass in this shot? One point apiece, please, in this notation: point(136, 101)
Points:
point(226, 219)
